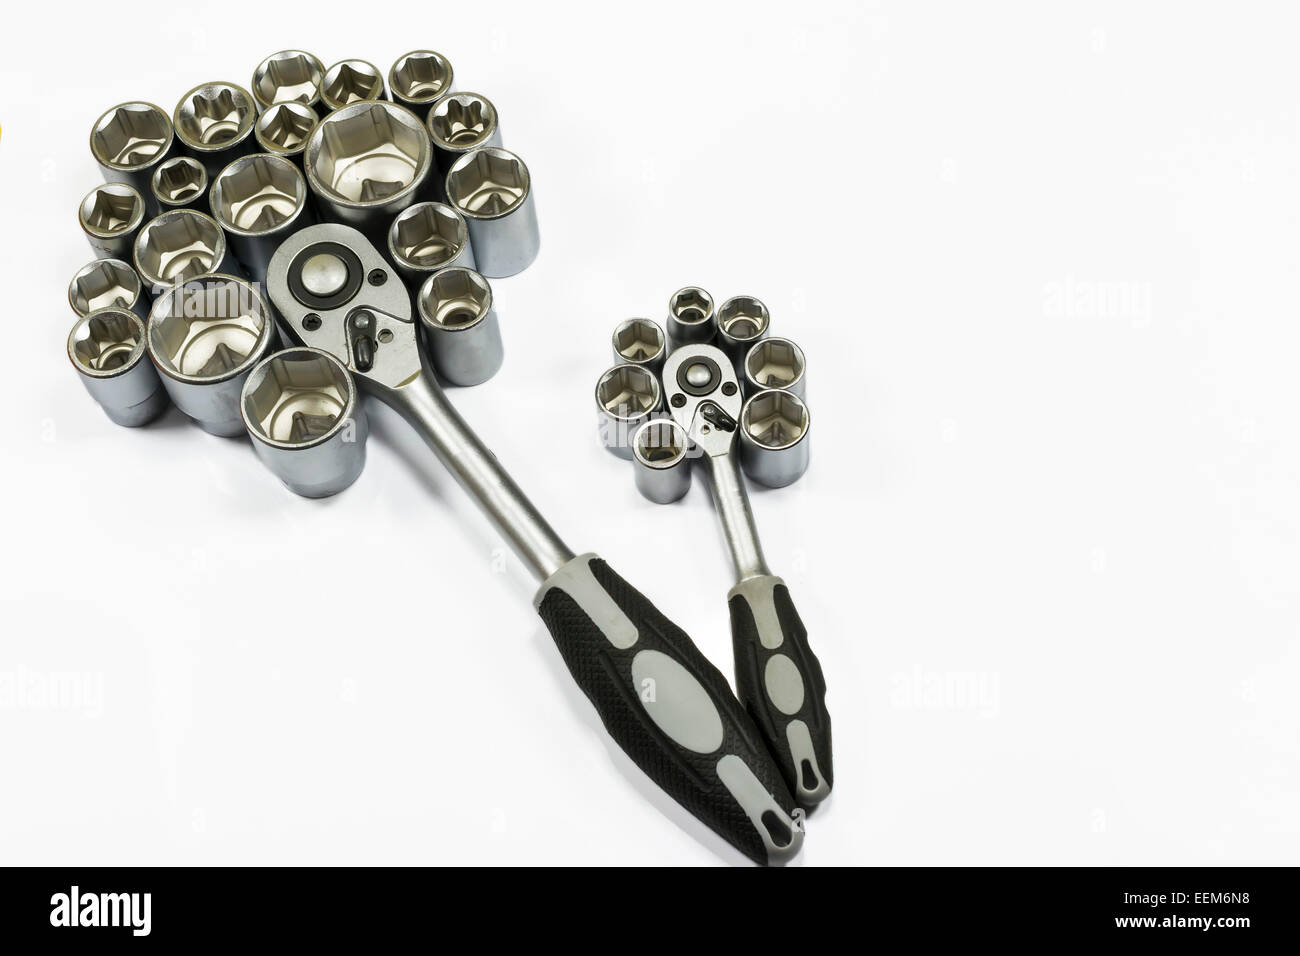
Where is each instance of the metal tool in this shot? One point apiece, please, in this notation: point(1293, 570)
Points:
point(427, 238)
point(351, 81)
point(180, 245)
point(214, 123)
point(660, 460)
point(259, 199)
point(420, 78)
point(107, 284)
point(668, 708)
point(691, 317)
point(493, 190)
point(180, 183)
point(774, 428)
point(775, 363)
point(742, 321)
point(110, 216)
point(284, 129)
point(626, 396)
point(461, 331)
point(107, 348)
point(640, 342)
point(290, 76)
point(459, 123)
point(129, 141)
point(778, 678)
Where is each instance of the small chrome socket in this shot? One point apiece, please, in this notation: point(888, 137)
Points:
point(290, 76)
point(425, 239)
point(302, 410)
point(351, 81)
point(177, 246)
point(107, 348)
point(205, 336)
point(460, 123)
point(691, 318)
point(180, 183)
point(129, 141)
point(774, 437)
point(366, 163)
point(775, 363)
point(110, 215)
point(626, 396)
point(660, 462)
point(284, 129)
point(742, 321)
point(107, 284)
point(419, 79)
point(492, 189)
point(460, 326)
point(640, 342)
point(214, 123)
point(259, 199)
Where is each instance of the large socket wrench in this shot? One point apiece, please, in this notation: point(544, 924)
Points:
point(669, 709)
point(778, 677)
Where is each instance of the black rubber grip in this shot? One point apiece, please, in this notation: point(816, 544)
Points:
point(762, 821)
point(796, 727)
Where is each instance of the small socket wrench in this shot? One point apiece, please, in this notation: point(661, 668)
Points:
point(335, 292)
point(778, 678)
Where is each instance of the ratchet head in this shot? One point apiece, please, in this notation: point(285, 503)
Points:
point(704, 396)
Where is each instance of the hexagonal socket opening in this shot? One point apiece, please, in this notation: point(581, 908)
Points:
point(131, 135)
point(351, 81)
point(775, 363)
point(743, 318)
point(106, 341)
point(179, 180)
point(639, 340)
point(627, 391)
point(290, 76)
point(427, 234)
point(178, 245)
point(454, 299)
point(110, 210)
point(297, 397)
point(257, 193)
point(774, 419)
point(488, 183)
point(691, 305)
point(462, 121)
point(208, 328)
point(368, 152)
point(420, 77)
point(286, 127)
point(213, 115)
point(660, 444)
point(103, 284)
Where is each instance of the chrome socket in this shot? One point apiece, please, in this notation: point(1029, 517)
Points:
point(351, 81)
point(177, 246)
point(492, 189)
point(110, 215)
point(691, 318)
point(425, 239)
point(660, 461)
point(290, 76)
point(259, 200)
point(460, 123)
point(180, 183)
point(775, 363)
point(626, 396)
point(774, 437)
point(302, 410)
point(284, 129)
point(367, 162)
point(129, 141)
point(107, 284)
point(214, 123)
point(742, 321)
point(640, 342)
point(419, 79)
point(107, 348)
point(205, 336)
point(460, 326)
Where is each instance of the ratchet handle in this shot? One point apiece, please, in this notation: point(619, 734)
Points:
point(780, 682)
point(669, 709)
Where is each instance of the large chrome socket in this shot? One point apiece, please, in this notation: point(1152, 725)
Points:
point(775, 363)
point(290, 76)
point(107, 284)
point(177, 246)
point(742, 321)
point(351, 81)
point(284, 129)
point(640, 342)
point(774, 437)
point(129, 141)
point(259, 200)
point(626, 396)
point(367, 162)
point(180, 183)
point(107, 348)
point(425, 239)
point(493, 190)
point(460, 123)
point(691, 319)
point(660, 462)
point(460, 326)
point(419, 79)
point(205, 336)
point(308, 426)
point(110, 216)
point(214, 123)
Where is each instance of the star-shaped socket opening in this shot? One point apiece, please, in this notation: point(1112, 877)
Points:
point(351, 81)
point(130, 135)
point(214, 114)
point(286, 127)
point(488, 183)
point(179, 180)
point(421, 76)
point(462, 121)
point(291, 76)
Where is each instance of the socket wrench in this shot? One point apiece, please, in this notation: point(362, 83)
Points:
point(214, 123)
point(420, 78)
point(259, 199)
point(107, 283)
point(129, 141)
point(180, 183)
point(778, 677)
point(107, 348)
point(290, 76)
point(493, 190)
point(350, 81)
point(690, 736)
point(110, 216)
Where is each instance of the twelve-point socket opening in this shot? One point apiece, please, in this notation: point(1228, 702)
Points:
point(257, 193)
point(691, 306)
point(420, 76)
point(454, 299)
point(297, 397)
point(106, 341)
point(368, 152)
point(660, 443)
point(207, 329)
point(427, 235)
point(213, 115)
point(639, 340)
point(179, 180)
point(286, 127)
point(775, 363)
point(112, 209)
point(462, 121)
point(103, 284)
point(290, 76)
point(627, 391)
point(488, 183)
point(178, 245)
point(775, 419)
point(130, 136)
point(351, 81)
point(743, 318)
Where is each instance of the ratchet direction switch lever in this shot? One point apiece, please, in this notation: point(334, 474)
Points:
point(668, 708)
point(777, 675)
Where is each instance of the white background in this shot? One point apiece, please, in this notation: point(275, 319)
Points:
point(1043, 261)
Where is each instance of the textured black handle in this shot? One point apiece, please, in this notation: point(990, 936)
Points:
point(780, 682)
point(669, 709)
